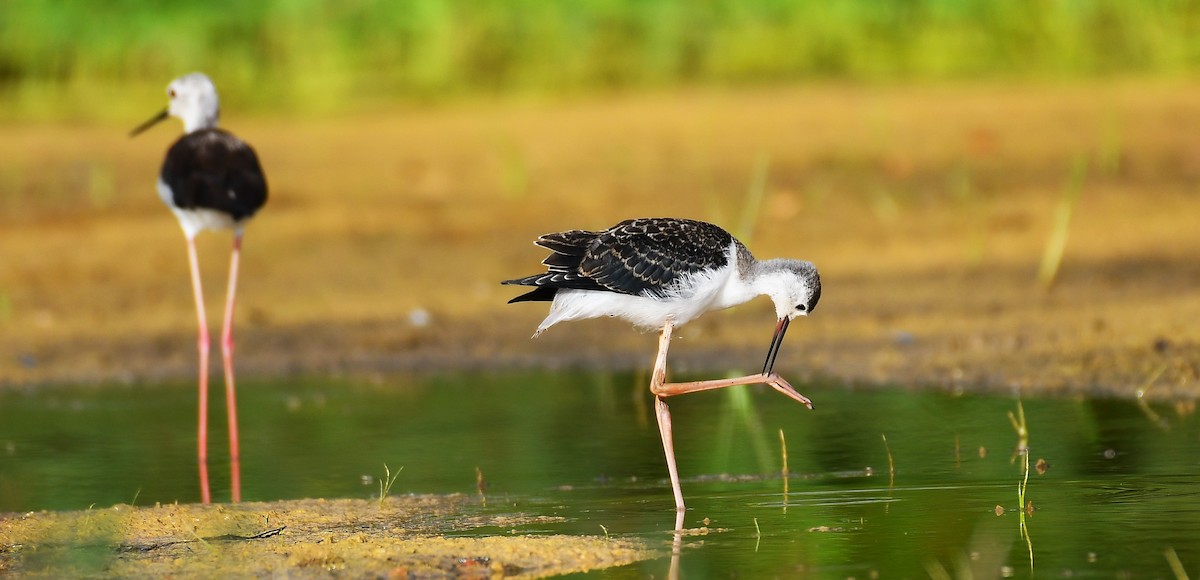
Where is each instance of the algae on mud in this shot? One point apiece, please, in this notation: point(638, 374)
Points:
point(404, 537)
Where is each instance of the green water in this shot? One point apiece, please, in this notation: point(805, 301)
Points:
point(1121, 490)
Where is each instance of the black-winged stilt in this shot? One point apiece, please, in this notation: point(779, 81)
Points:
point(662, 273)
point(211, 180)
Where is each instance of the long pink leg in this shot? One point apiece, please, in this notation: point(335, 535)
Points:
point(203, 344)
point(662, 389)
point(774, 380)
point(235, 469)
point(664, 431)
point(657, 378)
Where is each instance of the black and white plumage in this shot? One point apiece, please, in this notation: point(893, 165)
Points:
point(211, 180)
point(649, 270)
point(662, 273)
point(637, 257)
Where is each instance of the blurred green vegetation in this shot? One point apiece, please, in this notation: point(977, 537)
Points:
point(57, 56)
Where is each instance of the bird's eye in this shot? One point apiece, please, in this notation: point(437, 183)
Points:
point(171, 93)
point(801, 307)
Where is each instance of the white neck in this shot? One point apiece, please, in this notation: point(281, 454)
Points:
point(195, 120)
point(738, 289)
point(765, 280)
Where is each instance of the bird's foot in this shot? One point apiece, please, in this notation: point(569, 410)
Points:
point(780, 384)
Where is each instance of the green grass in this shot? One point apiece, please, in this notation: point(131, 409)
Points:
point(56, 57)
point(1056, 245)
point(385, 484)
point(1022, 429)
point(1176, 565)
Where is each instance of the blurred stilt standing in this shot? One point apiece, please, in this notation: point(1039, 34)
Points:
point(211, 180)
point(662, 273)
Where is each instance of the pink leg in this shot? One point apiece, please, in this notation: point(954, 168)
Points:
point(235, 468)
point(203, 344)
point(774, 380)
point(662, 389)
point(664, 431)
point(657, 378)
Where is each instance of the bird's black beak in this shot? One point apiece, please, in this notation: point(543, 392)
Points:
point(150, 123)
point(776, 342)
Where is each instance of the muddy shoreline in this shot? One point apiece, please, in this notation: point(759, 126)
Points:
point(381, 251)
point(927, 210)
point(1010, 363)
point(402, 537)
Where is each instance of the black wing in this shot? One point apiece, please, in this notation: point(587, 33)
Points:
point(644, 256)
point(640, 257)
point(567, 250)
point(213, 169)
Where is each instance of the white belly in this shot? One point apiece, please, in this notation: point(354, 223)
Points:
point(646, 313)
point(196, 219)
point(702, 293)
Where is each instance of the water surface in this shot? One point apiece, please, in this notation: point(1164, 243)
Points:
point(1121, 492)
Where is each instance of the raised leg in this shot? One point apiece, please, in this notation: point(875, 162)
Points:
point(662, 389)
point(203, 345)
point(235, 469)
point(774, 380)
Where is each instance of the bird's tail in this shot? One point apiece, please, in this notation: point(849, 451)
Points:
point(538, 294)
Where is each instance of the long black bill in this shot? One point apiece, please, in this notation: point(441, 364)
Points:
point(776, 342)
point(162, 116)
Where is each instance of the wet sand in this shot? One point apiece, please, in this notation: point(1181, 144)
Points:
point(403, 537)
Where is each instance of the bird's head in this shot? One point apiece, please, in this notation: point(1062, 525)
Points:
point(795, 288)
point(793, 285)
point(193, 100)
